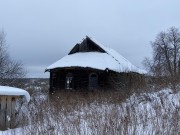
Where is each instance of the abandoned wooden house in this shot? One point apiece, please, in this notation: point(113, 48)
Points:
point(90, 65)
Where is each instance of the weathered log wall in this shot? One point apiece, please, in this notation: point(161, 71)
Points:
point(80, 77)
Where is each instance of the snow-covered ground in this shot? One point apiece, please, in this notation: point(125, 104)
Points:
point(156, 113)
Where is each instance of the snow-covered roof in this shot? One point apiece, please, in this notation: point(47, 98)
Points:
point(11, 91)
point(111, 60)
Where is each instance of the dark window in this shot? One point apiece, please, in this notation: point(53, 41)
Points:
point(54, 80)
point(69, 81)
point(93, 80)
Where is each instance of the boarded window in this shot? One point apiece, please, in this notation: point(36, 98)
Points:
point(69, 81)
point(93, 80)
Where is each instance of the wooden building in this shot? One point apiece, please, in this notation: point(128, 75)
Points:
point(8, 108)
point(89, 65)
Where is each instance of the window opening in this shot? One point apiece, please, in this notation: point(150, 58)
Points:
point(69, 81)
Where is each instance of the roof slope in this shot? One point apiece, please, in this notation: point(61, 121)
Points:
point(110, 59)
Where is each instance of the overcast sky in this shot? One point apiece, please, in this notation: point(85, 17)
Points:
point(40, 32)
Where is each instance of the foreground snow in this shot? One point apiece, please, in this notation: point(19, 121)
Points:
point(144, 114)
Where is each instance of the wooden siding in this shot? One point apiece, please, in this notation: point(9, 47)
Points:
point(106, 80)
point(7, 111)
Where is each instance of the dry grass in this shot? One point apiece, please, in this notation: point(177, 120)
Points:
point(99, 113)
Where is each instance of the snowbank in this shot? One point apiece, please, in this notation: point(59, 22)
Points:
point(6, 90)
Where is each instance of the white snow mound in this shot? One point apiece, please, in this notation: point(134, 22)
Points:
point(11, 91)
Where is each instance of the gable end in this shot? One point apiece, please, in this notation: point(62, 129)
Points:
point(87, 45)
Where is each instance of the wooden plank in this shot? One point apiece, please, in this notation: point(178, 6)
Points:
point(3, 113)
point(0, 113)
point(8, 112)
point(13, 103)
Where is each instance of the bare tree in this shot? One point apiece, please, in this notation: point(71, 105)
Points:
point(166, 55)
point(10, 70)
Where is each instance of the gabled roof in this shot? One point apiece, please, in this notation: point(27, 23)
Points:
point(87, 45)
point(105, 58)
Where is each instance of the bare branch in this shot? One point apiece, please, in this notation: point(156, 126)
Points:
point(10, 70)
point(166, 54)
